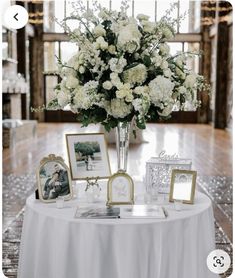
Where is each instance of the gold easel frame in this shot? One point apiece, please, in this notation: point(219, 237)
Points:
point(110, 191)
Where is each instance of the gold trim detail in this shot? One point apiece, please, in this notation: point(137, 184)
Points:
point(109, 189)
point(194, 177)
point(60, 160)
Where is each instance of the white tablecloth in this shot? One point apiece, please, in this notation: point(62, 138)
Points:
point(56, 245)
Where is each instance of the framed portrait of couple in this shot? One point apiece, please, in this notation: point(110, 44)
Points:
point(54, 179)
point(88, 156)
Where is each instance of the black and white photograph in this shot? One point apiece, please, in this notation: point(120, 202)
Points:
point(88, 156)
point(53, 179)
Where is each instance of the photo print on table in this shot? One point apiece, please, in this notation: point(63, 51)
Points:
point(88, 156)
point(54, 179)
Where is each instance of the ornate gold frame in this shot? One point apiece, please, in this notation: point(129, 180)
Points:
point(109, 190)
point(60, 160)
point(70, 165)
point(189, 172)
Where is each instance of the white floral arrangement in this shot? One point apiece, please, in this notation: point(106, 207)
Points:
point(123, 70)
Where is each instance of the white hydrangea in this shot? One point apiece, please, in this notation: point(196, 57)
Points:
point(135, 75)
point(99, 31)
point(107, 85)
point(141, 90)
point(190, 80)
point(119, 108)
point(117, 65)
point(161, 90)
point(129, 38)
point(91, 86)
point(81, 99)
point(71, 82)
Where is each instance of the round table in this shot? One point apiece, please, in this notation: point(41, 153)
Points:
point(56, 245)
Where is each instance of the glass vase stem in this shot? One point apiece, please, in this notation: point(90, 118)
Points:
point(122, 144)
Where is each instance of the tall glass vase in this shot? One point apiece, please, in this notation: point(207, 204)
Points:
point(122, 144)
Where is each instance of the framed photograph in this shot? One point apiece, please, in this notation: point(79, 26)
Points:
point(120, 190)
point(183, 184)
point(88, 156)
point(54, 180)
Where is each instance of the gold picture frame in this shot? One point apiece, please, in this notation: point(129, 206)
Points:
point(80, 167)
point(124, 188)
point(53, 179)
point(180, 178)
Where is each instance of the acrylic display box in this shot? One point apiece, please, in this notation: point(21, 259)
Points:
point(158, 173)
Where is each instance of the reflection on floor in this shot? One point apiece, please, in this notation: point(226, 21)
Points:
point(219, 189)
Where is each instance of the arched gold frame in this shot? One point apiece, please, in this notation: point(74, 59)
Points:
point(59, 160)
point(110, 191)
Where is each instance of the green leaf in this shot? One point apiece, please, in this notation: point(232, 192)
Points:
point(147, 61)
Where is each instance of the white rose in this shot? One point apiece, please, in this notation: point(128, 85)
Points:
point(167, 110)
point(190, 80)
point(81, 69)
point(164, 65)
point(148, 26)
point(129, 38)
point(123, 91)
point(107, 85)
point(167, 33)
point(141, 17)
point(180, 60)
point(167, 73)
point(164, 49)
point(99, 31)
point(112, 49)
point(101, 43)
point(180, 73)
point(71, 82)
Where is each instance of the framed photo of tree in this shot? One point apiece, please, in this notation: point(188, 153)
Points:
point(88, 156)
